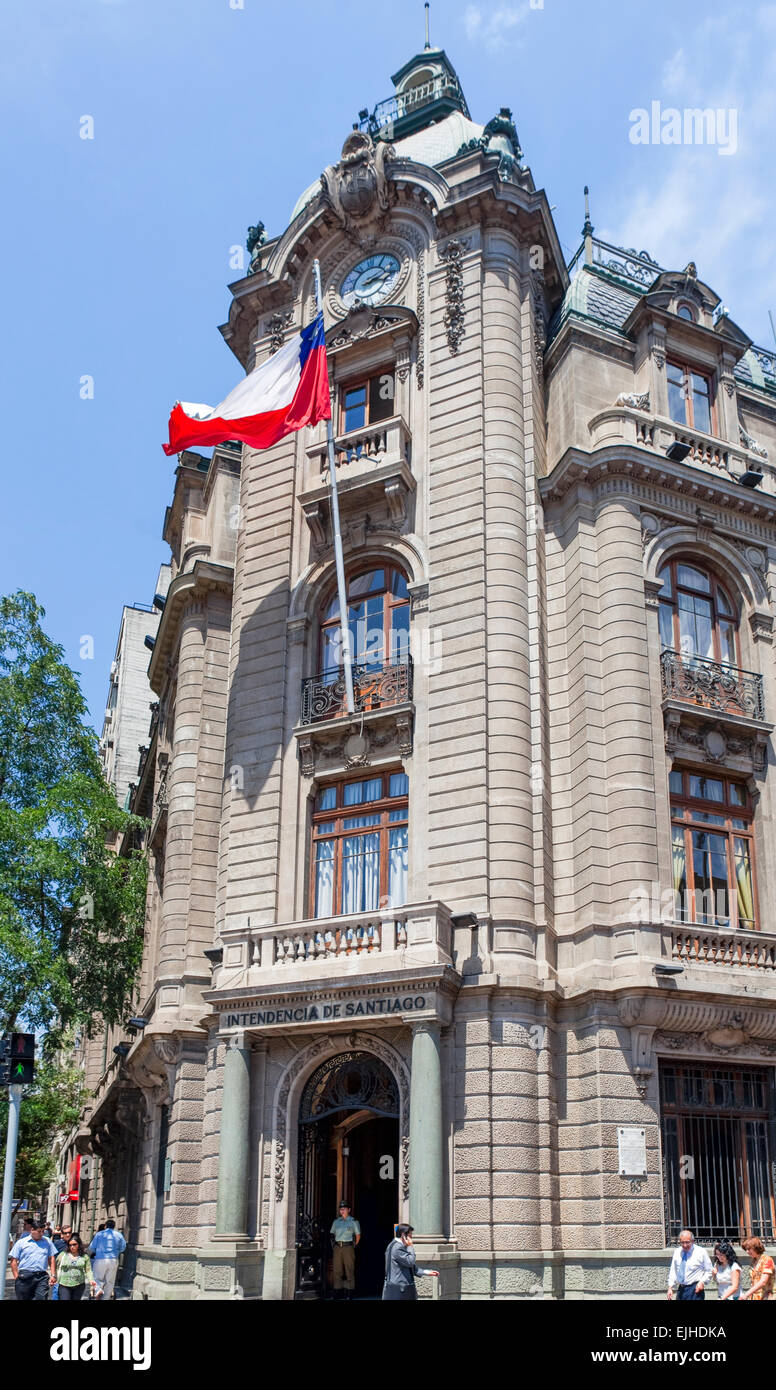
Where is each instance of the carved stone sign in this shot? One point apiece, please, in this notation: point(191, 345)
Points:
point(334, 1009)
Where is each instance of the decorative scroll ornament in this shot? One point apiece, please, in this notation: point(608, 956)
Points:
point(751, 444)
point(276, 328)
point(452, 254)
point(636, 402)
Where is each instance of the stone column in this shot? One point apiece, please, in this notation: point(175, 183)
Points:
point(426, 1139)
point(234, 1148)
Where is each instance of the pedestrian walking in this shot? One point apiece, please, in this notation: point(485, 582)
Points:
point(727, 1271)
point(690, 1269)
point(105, 1248)
point(345, 1235)
point(401, 1269)
point(32, 1266)
point(74, 1271)
point(761, 1274)
point(60, 1241)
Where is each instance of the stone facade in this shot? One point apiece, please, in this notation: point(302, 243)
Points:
point(526, 989)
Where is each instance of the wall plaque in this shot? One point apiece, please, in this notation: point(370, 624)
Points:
point(632, 1151)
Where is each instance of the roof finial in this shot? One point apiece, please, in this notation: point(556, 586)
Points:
point(587, 230)
point(428, 8)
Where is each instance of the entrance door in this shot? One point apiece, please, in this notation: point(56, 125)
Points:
point(348, 1147)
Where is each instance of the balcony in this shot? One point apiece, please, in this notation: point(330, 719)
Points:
point(740, 950)
point(407, 107)
point(629, 424)
point(373, 468)
point(714, 686)
point(374, 688)
point(359, 943)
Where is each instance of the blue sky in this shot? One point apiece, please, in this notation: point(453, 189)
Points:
point(211, 114)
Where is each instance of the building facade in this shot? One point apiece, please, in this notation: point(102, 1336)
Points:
point(496, 955)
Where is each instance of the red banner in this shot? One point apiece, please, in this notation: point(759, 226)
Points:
point(73, 1179)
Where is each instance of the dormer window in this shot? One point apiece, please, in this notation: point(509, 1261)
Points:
point(685, 311)
point(690, 397)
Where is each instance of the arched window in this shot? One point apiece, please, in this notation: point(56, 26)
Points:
point(697, 616)
point(378, 618)
point(685, 311)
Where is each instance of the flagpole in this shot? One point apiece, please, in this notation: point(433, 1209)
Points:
point(347, 657)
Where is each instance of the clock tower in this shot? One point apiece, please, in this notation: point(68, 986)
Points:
point(363, 862)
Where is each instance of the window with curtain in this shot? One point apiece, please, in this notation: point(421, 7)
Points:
point(713, 850)
point(697, 616)
point(690, 400)
point(359, 850)
point(378, 617)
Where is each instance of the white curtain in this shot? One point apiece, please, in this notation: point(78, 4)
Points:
point(360, 869)
point(397, 866)
point(324, 878)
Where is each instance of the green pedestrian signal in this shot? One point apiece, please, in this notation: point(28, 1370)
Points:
point(21, 1062)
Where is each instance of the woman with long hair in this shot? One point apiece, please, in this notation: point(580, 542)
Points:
point(74, 1270)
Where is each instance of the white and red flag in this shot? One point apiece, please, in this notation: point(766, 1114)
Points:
point(288, 391)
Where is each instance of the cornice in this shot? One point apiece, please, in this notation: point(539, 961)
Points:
point(203, 578)
point(626, 464)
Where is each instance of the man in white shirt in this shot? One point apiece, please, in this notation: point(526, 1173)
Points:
point(690, 1269)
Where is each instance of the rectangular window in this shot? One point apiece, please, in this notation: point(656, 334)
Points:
point(717, 1136)
point(712, 849)
point(690, 397)
point(360, 846)
point(367, 402)
point(162, 1183)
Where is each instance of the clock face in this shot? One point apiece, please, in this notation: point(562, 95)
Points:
point(371, 281)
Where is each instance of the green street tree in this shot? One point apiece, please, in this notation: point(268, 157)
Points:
point(71, 909)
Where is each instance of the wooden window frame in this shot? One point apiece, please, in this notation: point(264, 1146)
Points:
point(391, 602)
point(364, 379)
point(339, 814)
point(708, 376)
point(717, 616)
point(731, 811)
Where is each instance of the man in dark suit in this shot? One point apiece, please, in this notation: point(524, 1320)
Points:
point(401, 1269)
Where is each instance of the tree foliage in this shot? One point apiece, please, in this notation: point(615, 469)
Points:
point(50, 1107)
point(71, 910)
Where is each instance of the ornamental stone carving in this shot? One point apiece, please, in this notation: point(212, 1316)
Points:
point(636, 402)
point(358, 187)
point(452, 254)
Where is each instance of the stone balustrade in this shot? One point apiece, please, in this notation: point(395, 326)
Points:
point(379, 940)
point(695, 945)
point(624, 424)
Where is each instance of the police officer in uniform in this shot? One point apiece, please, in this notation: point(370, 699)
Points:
point(345, 1235)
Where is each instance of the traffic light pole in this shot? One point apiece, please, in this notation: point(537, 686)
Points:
point(14, 1106)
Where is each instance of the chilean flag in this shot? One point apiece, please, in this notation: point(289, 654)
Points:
point(288, 391)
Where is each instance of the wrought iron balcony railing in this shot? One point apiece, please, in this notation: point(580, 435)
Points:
point(714, 685)
point(394, 108)
point(375, 686)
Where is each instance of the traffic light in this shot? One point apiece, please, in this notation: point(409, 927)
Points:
point(21, 1068)
point(5, 1052)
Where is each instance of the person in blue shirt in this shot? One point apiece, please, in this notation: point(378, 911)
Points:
point(33, 1266)
point(105, 1249)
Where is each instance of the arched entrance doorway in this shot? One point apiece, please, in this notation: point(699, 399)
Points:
point(348, 1147)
